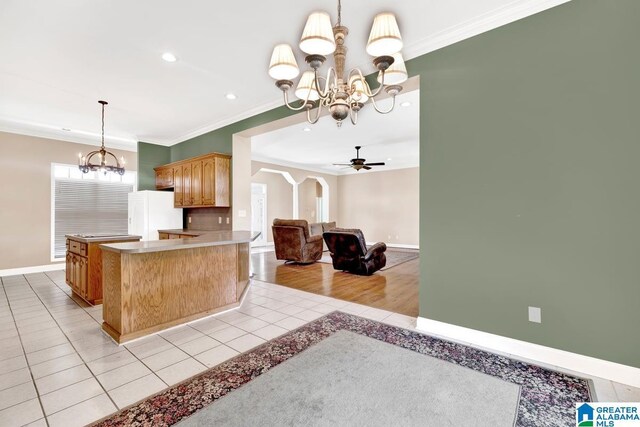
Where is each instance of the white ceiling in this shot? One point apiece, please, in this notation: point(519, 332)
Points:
point(60, 57)
point(391, 138)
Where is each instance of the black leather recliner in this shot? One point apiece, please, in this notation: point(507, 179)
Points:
point(349, 252)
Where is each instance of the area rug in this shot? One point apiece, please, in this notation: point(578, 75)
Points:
point(394, 257)
point(352, 377)
point(547, 398)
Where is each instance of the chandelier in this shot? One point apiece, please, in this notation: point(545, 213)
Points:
point(343, 95)
point(85, 165)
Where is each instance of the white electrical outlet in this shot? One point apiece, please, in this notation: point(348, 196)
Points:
point(535, 314)
point(219, 220)
point(189, 220)
point(227, 220)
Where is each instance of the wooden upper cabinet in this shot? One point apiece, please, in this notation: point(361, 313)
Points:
point(203, 181)
point(196, 183)
point(222, 180)
point(178, 188)
point(164, 178)
point(187, 198)
point(208, 181)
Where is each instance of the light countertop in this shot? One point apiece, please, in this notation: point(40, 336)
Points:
point(208, 238)
point(97, 237)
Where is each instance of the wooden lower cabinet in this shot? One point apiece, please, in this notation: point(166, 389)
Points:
point(83, 269)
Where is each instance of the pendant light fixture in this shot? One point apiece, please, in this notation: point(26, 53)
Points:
point(343, 94)
point(103, 156)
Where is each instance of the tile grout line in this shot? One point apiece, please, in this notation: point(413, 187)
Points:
point(24, 353)
point(126, 349)
point(74, 348)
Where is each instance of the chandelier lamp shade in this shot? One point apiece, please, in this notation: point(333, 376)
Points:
point(342, 94)
point(105, 161)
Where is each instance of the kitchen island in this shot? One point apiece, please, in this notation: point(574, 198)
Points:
point(83, 269)
point(154, 285)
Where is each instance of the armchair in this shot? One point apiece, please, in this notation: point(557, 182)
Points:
point(294, 243)
point(349, 252)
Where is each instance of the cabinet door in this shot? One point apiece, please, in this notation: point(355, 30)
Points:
point(82, 279)
point(208, 182)
point(187, 197)
point(163, 236)
point(196, 183)
point(223, 177)
point(178, 187)
point(68, 271)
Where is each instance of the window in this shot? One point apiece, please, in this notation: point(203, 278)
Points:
point(91, 203)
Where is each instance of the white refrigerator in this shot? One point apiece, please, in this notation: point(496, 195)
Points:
point(150, 211)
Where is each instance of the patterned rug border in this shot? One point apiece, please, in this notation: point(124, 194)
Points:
point(547, 397)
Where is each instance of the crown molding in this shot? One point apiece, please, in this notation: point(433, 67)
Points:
point(286, 164)
point(47, 133)
point(217, 125)
point(504, 15)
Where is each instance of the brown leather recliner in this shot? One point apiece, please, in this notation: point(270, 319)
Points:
point(294, 243)
point(349, 252)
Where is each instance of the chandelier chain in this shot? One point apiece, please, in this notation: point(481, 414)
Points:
point(103, 126)
point(339, 13)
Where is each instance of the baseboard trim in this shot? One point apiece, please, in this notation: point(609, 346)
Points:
point(401, 246)
point(34, 269)
point(529, 352)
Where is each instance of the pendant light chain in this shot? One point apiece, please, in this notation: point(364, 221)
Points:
point(103, 126)
point(339, 13)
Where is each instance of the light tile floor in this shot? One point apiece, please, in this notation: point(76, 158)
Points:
point(57, 368)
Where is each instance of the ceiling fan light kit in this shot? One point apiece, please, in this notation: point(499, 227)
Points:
point(359, 163)
point(343, 95)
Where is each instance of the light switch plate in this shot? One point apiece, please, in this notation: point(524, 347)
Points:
point(535, 314)
point(242, 213)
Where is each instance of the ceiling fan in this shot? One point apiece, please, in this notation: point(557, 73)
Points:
point(359, 163)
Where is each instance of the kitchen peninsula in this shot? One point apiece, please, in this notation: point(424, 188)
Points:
point(154, 285)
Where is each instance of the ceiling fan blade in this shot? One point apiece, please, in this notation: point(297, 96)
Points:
point(342, 164)
point(375, 164)
point(366, 167)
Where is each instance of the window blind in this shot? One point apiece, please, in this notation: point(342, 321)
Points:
point(88, 207)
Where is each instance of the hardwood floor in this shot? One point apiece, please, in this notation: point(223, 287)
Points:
point(395, 289)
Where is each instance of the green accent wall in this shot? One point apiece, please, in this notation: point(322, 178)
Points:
point(150, 156)
point(530, 151)
point(528, 178)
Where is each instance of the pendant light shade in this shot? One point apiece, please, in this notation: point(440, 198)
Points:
point(359, 94)
point(317, 37)
point(283, 64)
point(307, 82)
point(385, 38)
point(397, 73)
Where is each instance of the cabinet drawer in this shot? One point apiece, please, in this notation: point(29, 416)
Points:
point(175, 236)
point(78, 247)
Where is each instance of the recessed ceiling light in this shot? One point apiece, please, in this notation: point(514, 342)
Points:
point(405, 104)
point(230, 96)
point(169, 57)
point(389, 159)
point(307, 129)
point(66, 129)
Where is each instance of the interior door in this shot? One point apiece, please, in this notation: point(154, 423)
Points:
point(259, 217)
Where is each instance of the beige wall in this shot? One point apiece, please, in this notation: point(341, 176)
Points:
point(25, 214)
point(279, 197)
point(384, 205)
point(307, 200)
